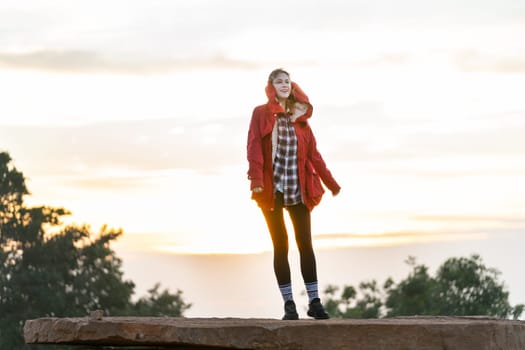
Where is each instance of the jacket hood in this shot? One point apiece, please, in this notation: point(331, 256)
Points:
point(303, 106)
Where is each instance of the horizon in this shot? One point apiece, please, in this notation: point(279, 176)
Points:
point(253, 291)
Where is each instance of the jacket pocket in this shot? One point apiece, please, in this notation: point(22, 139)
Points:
point(313, 186)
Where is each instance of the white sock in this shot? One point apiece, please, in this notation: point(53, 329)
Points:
point(312, 290)
point(286, 291)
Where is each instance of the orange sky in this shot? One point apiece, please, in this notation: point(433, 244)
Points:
point(138, 120)
point(422, 124)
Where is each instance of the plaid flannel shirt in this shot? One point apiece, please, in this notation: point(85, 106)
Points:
point(285, 177)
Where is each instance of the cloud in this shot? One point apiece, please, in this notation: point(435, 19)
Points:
point(113, 183)
point(380, 236)
point(152, 145)
point(329, 236)
point(470, 218)
point(395, 238)
point(93, 62)
point(475, 61)
point(362, 132)
point(385, 60)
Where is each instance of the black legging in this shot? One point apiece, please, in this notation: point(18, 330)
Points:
point(300, 216)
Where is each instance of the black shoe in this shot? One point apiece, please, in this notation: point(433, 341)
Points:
point(316, 310)
point(290, 312)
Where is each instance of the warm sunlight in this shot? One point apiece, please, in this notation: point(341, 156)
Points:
point(134, 114)
point(162, 211)
point(393, 239)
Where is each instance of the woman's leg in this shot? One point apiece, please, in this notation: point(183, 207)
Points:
point(300, 216)
point(276, 226)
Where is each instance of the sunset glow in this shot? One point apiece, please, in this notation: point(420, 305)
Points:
point(135, 114)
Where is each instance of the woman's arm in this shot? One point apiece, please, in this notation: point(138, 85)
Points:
point(320, 166)
point(255, 153)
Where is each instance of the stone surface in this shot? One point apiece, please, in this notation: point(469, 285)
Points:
point(417, 333)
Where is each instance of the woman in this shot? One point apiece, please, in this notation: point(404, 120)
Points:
point(285, 170)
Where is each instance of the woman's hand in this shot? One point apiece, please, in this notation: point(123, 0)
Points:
point(257, 189)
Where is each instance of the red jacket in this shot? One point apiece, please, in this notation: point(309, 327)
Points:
point(311, 166)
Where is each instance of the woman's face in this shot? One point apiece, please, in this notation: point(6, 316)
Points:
point(282, 85)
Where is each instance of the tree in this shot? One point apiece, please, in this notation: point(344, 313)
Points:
point(462, 286)
point(159, 304)
point(51, 270)
point(414, 295)
point(467, 287)
point(366, 303)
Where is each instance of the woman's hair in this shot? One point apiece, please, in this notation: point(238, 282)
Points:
point(290, 101)
point(275, 73)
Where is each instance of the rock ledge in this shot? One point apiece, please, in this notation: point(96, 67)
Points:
point(421, 333)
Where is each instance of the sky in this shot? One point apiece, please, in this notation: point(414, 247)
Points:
point(135, 114)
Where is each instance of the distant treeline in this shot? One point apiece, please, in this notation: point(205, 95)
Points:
point(461, 287)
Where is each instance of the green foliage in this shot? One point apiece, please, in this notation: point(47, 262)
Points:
point(414, 295)
point(51, 270)
point(368, 305)
point(467, 287)
point(461, 287)
point(159, 304)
